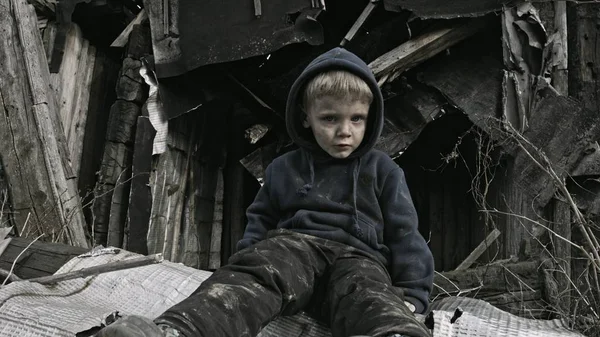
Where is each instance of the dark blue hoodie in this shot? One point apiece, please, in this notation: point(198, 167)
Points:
point(362, 201)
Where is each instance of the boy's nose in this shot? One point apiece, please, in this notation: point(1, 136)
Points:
point(344, 130)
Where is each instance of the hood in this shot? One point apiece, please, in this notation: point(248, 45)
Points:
point(334, 59)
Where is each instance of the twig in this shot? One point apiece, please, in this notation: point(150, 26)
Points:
point(95, 270)
point(18, 257)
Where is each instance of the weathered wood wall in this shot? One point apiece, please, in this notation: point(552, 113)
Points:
point(43, 191)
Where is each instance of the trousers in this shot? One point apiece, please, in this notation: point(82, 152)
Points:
point(289, 272)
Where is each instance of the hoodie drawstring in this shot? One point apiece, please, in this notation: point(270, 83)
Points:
point(303, 191)
point(356, 171)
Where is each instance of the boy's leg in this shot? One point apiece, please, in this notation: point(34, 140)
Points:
point(275, 276)
point(362, 301)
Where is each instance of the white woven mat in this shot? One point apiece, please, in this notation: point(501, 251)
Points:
point(31, 309)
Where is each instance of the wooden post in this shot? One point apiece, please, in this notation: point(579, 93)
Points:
point(560, 76)
point(584, 80)
point(36, 157)
point(234, 172)
point(561, 225)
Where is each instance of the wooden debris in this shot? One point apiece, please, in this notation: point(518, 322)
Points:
point(513, 287)
point(411, 53)
point(7, 274)
point(475, 254)
point(257, 8)
point(40, 259)
point(256, 132)
point(72, 85)
point(360, 21)
point(168, 181)
point(122, 39)
point(561, 249)
point(101, 269)
point(113, 183)
point(560, 80)
point(114, 172)
point(41, 178)
point(4, 232)
point(140, 199)
point(214, 259)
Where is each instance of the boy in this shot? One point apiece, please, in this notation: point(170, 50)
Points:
point(330, 221)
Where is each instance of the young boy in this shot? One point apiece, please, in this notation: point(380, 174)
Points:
point(333, 227)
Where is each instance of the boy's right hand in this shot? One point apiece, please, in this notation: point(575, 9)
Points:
point(131, 326)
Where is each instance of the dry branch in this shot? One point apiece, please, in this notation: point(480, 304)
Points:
point(95, 270)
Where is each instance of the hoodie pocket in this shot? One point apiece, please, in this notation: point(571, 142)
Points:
point(369, 232)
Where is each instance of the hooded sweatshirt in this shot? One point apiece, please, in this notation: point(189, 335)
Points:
point(362, 200)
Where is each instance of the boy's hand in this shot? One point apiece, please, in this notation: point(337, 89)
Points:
point(410, 306)
point(131, 326)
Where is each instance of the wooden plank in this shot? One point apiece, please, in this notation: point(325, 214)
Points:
point(64, 81)
point(122, 39)
point(140, 199)
point(214, 260)
point(4, 244)
point(233, 206)
point(102, 96)
point(4, 232)
point(359, 22)
point(413, 52)
point(114, 171)
point(560, 77)
point(561, 225)
point(168, 191)
point(76, 126)
point(483, 246)
point(40, 259)
point(36, 127)
point(130, 86)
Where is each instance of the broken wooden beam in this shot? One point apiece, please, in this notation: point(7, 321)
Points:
point(390, 65)
point(476, 253)
point(123, 38)
point(359, 22)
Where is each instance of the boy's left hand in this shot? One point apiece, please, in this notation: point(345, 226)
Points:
point(410, 306)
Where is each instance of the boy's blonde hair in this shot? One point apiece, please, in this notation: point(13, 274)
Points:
point(337, 83)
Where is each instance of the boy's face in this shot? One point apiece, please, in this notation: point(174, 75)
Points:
point(338, 124)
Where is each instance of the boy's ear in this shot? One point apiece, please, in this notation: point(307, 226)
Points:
point(305, 120)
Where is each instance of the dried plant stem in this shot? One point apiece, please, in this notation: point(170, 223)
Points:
point(581, 223)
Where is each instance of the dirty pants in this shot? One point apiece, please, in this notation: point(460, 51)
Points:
point(289, 272)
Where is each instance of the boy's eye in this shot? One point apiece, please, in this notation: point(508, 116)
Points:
point(328, 118)
point(358, 118)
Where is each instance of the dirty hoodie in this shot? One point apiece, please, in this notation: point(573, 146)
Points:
point(362, 201)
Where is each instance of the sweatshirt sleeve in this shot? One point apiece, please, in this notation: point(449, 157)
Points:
point(411, 265)
point(262, 215)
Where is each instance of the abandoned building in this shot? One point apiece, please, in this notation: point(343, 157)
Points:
point(146, 127)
